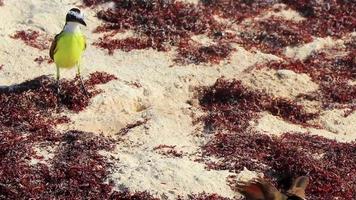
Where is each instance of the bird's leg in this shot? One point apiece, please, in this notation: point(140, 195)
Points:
point(58, 89)
point(81, 82)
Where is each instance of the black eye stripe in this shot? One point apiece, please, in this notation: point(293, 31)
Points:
point(74, 14)
point(75, 10)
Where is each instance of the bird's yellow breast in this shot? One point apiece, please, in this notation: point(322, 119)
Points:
point(69, 49)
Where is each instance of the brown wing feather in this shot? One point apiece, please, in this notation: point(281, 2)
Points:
point(259, 189)
point(298, 187)
point(52, 50)
point(270, 191)
point(85, 43)
point(250, 190)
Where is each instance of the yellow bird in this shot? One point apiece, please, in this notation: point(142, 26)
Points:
point(67, 47)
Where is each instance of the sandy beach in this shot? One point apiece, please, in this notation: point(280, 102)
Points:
point(152, 109)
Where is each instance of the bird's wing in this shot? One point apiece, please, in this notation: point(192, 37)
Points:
point(53, 49)
point(298, 187)
point(250, 190)
point(85, 43)
point(257, 189)
point(269, 191)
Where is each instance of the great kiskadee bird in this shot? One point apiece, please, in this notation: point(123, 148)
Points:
point(67, 47)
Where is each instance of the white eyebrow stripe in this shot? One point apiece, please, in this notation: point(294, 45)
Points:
point(77, 15)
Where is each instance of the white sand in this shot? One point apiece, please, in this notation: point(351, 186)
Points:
point(161, 100)
point(279, 83)
point(301, 52)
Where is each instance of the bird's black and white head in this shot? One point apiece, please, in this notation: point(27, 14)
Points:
point(75, 16)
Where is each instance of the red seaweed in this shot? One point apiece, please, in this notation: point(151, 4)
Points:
point(27, 119)
point(272, 35)
point(326, 18)
point(32, 38)
point(230, 107)
point(237, 10)
point(330, 164)
point(161, 25)
point(164, 24)
point(127, 44)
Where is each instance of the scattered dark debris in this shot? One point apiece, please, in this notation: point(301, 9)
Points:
point(134, 84)
point(32, 38)
point(195, 53)
point(1, 66)
point(1, 2)
point(168, 150)
point(127, 44)
point(42, 59)
point(126, 195)
point(94, 2)
point(128, 127)
point(203, 196)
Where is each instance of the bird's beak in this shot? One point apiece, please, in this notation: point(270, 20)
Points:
point(81, 21)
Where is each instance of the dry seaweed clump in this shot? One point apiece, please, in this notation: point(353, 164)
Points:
point(94, 2)
point(162, 22)
point(204, 196)
point(76, 170)
point(230, 107)
point(126, 195)
point(27, 120)
point(237, 10)
point(1, 2)
point(161, 25)
point(329, 164)
point(32, 38)
point(272, 35)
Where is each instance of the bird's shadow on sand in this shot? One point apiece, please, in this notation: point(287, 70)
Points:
point(33, 84)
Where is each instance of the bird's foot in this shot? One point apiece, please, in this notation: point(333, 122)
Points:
point(83, 87)
point(58, 91)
